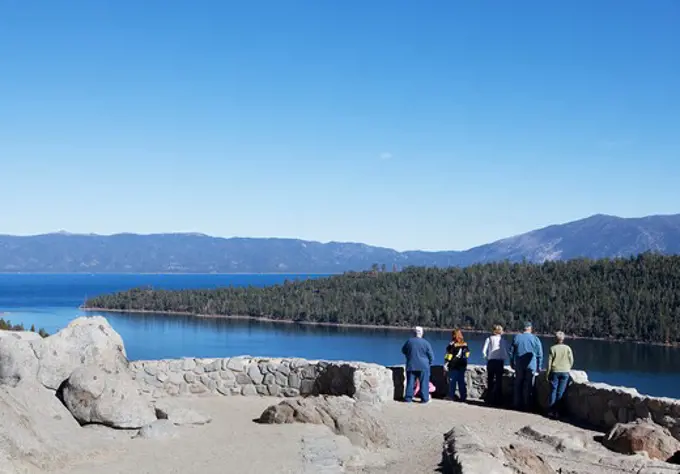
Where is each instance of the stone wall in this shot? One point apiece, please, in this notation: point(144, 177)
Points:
point(595, 404)
point(260, 376)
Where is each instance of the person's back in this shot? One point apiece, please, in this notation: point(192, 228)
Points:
point(419, 358)
point(526, 351)
point(561, 358)
point(495, 348)
point(419, 354)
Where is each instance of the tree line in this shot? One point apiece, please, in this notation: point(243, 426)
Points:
point(636, 298)
point(8, 326)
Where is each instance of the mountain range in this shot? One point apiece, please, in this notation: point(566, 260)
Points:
point(597, 236)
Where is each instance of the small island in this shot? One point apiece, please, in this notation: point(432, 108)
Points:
point(627, 299)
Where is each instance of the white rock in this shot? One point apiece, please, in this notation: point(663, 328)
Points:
point(85, 341)
point(18, 361)
point(94, 395)
point(177, 415)
point(159, 429)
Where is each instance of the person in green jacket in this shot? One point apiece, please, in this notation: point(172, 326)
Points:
point(560, 362)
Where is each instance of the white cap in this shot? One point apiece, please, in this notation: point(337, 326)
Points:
point(418, 331)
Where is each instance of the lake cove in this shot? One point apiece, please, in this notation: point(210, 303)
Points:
point(51, 301)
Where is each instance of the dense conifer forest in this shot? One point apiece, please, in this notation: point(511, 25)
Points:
point(626, 299)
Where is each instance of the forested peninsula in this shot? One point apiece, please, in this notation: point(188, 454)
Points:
point(636, 299)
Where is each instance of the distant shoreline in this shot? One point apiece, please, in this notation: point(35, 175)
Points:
point(353, 325)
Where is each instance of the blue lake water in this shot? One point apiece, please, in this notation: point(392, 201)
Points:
point(51, 301)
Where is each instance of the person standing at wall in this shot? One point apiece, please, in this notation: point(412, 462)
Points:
point(560, 362)
point(495, 352)
point(526, 358)
point(419, 358)
point(455, 364)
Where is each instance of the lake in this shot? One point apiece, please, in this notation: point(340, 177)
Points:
point(51, 301)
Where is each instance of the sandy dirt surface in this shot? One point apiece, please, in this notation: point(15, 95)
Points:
point(232, 442)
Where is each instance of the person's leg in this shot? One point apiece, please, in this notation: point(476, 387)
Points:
point(462, 386)
point(519, 386)
point(490, 388)
point(554, 382)
point(528, 389)
point(452, 383)
point(497, 369)
point(563, 383)
point(425, 386)
point(410, 383)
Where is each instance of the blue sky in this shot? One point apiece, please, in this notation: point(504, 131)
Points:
point(408, 124)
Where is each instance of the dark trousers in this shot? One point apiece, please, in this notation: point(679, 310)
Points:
point(494, 382)
point(524, 388)
point(423, 377)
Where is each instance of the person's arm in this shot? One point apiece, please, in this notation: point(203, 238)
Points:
point(430, 353)
point(511, 354)
point(485, 349)
point(539, 353)
point(404, 349)
point(551, 359)
point(571, 359)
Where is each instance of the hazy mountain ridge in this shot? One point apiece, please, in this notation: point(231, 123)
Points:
point(594, 237)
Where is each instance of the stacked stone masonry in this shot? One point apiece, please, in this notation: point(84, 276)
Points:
point(596, 404)
point(251, 376)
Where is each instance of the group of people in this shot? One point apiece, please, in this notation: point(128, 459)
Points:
point(524, 353)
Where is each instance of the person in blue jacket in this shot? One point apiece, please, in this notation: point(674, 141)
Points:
point(526, 358)
point(419, 358)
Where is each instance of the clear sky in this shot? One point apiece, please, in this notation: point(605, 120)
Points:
point(410, 124)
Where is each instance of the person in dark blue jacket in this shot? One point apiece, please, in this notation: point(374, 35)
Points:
point(419, 358)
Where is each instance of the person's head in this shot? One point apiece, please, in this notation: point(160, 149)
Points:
point(528, 327)
point(418, 331)
point(457, 336)
point(559, 337)
point(498, 329)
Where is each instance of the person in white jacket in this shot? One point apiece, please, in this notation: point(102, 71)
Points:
point(495, 352)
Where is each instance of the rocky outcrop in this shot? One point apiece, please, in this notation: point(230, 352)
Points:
point(36, 430)
point(86, 341)
point(522, 460)
point(86, 361)
point(111, 398)
point(343, 415)
point(50, 361)
point(251, 376)
point(465, 453)
point(631, 438)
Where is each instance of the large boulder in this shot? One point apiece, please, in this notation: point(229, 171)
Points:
point(37, 431)
point(631, 438)
point(344, 415)
point(112, 398)
point(25, 356)
point(85, 341)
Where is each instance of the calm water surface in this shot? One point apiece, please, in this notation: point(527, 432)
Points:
point(51, 301)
